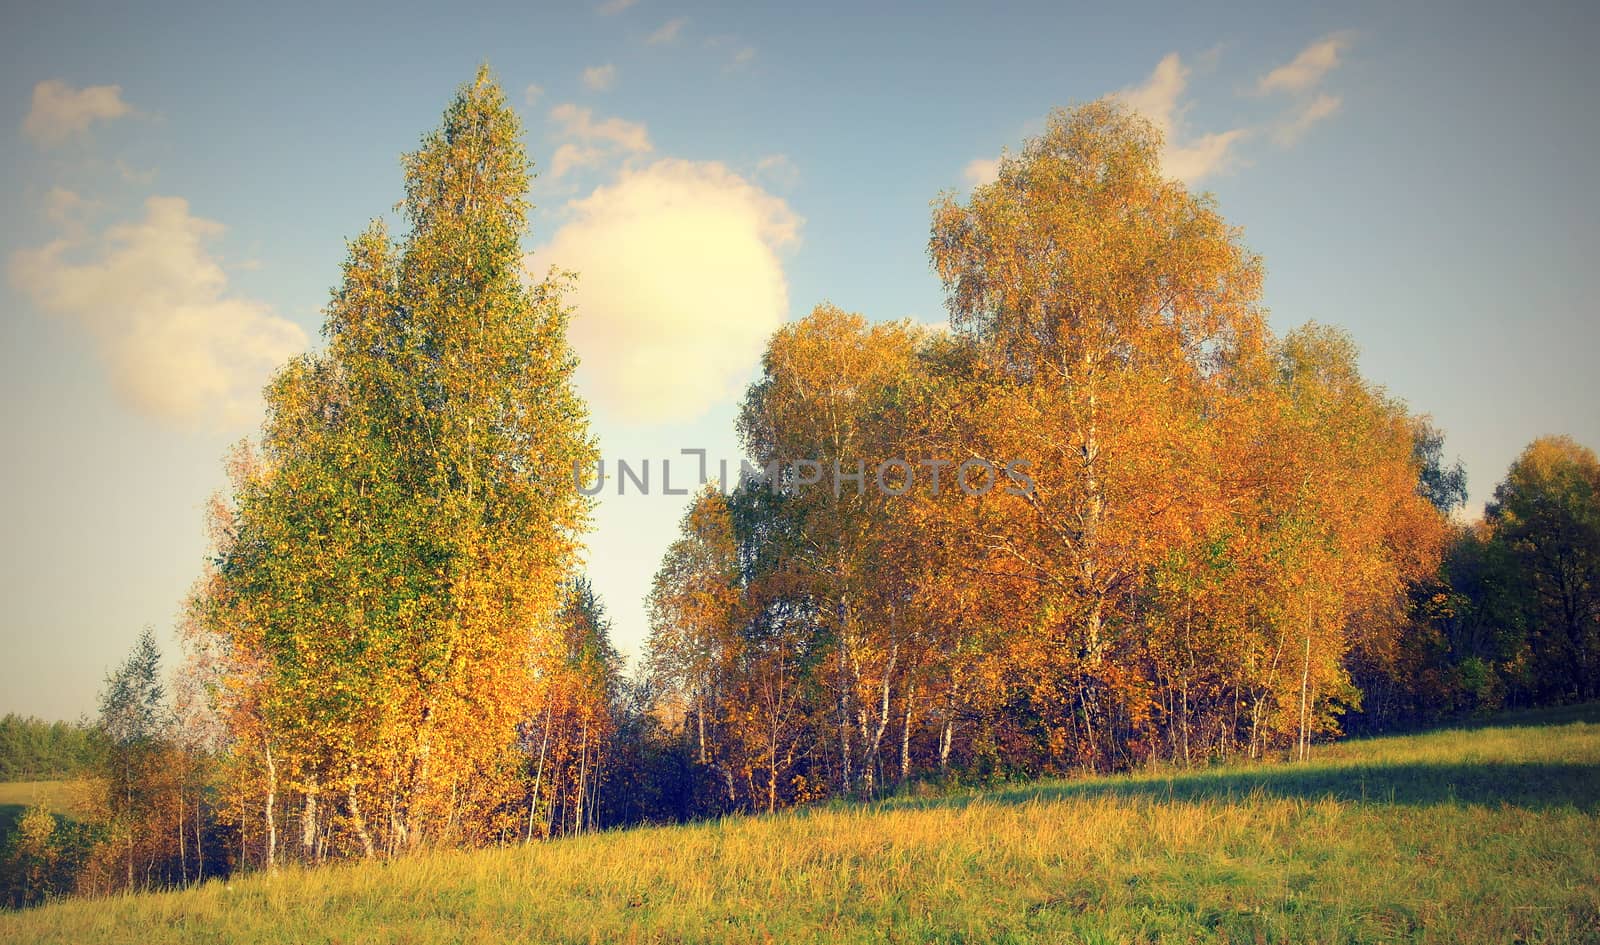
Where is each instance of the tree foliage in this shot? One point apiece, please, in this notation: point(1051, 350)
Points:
point(381, 619)
point(1110, 518)
point(32, 749)
point(1219, 523)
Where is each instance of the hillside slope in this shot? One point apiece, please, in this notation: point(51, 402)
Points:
point(1483, 835)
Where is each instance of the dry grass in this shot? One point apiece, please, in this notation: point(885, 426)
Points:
point(1482, 836)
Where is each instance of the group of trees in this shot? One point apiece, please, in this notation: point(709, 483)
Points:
point(33, 749)
point(1221, 537)
point(391, 645)
point(1512, 618)
point(42, 853)
point(45, 855)
point(144, 808)
point(1108, 518)
point(391, 620)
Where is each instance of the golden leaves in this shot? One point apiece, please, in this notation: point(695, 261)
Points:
point(379, 581)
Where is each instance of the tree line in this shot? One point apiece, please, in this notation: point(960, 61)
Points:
point(33, 749)
point(1512, 616)
point(1221, 521)
point(1231, 544)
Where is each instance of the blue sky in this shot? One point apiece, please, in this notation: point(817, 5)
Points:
point(178, 191)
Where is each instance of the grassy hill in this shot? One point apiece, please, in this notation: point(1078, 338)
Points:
point(1490, 834)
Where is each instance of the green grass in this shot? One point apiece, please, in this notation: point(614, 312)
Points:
point(1484, 835)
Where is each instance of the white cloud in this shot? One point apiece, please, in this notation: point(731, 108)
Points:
point(980, 171)
point(742, 56)
point(1300, 77)
point(578, 122)
point(569, 157)
point(778, 169)
point(1158, 97)
point(532, 94)
point(592, 141)
point(60, 112)
point(1160, 100)
point(1289, 132)
point(600, 78)
point(679, 285)
point(1308, 68)
point(132, 175)
point(668, 33)
point(67, 209)
point(1202, 157)
point(613, 7)
point(156, 304)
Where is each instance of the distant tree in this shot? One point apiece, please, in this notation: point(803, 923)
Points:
point(1547, 514)
point(570, 743)
point(133, 711)
point(694, 624)
point(32, 749)
point(1441, 483)
point(136, 721)
point(31, 862)
point(1483, 626)
point(652, 767)
point(1512, 616)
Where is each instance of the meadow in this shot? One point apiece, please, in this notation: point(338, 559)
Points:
point(62, 797)
point(1483, 834)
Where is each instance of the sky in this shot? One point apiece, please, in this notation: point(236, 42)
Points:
point(179, 183)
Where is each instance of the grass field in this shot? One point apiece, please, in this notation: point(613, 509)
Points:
point(62, 797)
point(1484, 835)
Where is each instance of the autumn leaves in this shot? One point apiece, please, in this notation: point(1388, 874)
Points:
point(1215, 520)
point(1220, 518)
point(380, 625)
